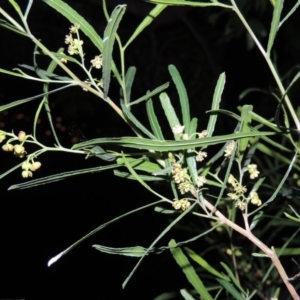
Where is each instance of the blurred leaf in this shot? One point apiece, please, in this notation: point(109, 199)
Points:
point(204, 264)
point(232, 277)
point(275, 24)
point(189, 271)
point(256, 219)
point(231, 289)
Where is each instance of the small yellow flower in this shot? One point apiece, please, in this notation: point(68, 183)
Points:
point(74, 28)
point(200, 181)
point(255, 199)
point(97, 62)
point(176, 204)
point(185, 137)
point(203, 134)
point(19, 151)
point(36, 165)
point(185, 187)
point(229, 148)
point(26, 165)
point(21, 136)
point(201, 155)
point(68, 39)
point(178, 129)
point(26, 174)
point(8, 147)
point(252, 169)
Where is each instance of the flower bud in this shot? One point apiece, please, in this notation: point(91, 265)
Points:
point(19, 150)
point(26, 174)
point(26, 165)
point(36, 165)
point(8, 147)
point(21, 136)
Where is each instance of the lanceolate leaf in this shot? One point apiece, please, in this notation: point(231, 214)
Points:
point(183, 97)
point(108, 43)
point(275, 23)
point(146, 144)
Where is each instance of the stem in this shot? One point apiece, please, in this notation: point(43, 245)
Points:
point(269, 252)
point(270, 64)
point(76, 79)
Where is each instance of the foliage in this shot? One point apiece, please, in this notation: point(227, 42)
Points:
point(215, 179)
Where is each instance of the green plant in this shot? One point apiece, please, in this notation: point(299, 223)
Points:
point(213, 186)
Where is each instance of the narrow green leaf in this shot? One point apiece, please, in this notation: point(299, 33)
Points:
point(231, 289)
point(216, 103)
point(127, 175)
point(129, 77)
point(61, 254)
point(136, 251)
point(162, 234)
point(259, 254)
point(169, 112)
point(245, 127)
point(151, 94)
point(256, 219)
point(147, 144)
point(293, 9)
point(60, 176)
point(190, 3)
point(275, 24)
point(146, 22)
point(140, 164)
point(186, 295)
point(110, 33)
point(189, 271)
point(291, 217)
point(5, 24)
point(136, 122)
point(204, 264)
point(232, 277)
point(19, 102)
point(154, 124)
point(183, 97)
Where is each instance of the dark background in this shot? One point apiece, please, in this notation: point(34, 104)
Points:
point(38, 223)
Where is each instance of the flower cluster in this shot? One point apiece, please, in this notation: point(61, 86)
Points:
point(182, 204)
point(19, 151)
point(75, 44)
point(182, 178)
point(229, 148)
point(238, 194)
point(252, 169)
point(28, 168)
